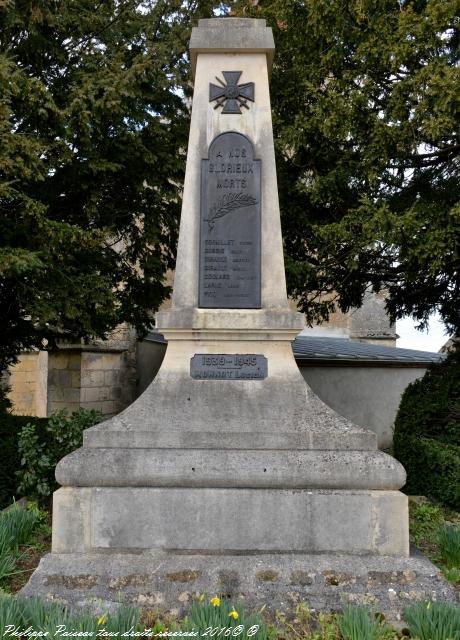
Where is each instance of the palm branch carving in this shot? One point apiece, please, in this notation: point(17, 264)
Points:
point(226, 204)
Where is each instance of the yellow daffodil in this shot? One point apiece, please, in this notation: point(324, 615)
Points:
point(215, 601)
point(234, 614)
point(103, 619)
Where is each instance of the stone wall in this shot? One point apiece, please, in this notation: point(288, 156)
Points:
point(101, 376)
point(28, 384)
point(99, 380)
point(64, 380)
point(368, 396)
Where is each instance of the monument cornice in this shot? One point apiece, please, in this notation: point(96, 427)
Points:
point(257, 322)
point(231, 335)
point(231, 35)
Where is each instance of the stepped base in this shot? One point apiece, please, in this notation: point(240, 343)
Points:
point(168, 582)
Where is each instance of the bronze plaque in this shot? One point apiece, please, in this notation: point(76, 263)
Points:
point(229, 274)
point(235, 366)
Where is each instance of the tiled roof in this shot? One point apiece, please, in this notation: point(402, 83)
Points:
point(324, 348)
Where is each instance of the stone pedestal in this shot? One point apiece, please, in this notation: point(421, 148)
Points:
point(218, 463)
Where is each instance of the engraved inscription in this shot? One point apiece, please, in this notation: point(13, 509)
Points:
point(218, 366)
point(229, 274)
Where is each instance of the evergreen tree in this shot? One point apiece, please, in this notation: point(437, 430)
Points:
point(365, 97)
point(93, 133)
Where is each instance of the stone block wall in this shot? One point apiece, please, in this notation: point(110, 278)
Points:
point(28, 384)
point(64, 380)
point(101, 376)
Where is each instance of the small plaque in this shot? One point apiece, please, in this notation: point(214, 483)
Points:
point(235, 366)
point(230, 229)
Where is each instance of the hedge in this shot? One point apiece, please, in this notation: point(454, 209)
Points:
point(427, 433)
point(433, 470)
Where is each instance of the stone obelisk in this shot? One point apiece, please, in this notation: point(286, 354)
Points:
point(228, 460)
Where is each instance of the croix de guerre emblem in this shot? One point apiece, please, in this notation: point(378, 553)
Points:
point(231, 95)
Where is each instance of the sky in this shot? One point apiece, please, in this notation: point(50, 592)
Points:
point(410, 338)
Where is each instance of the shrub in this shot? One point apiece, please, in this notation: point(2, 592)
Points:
point(41, 448)
point(433, 621)
point(10, 459)
point(427, 433)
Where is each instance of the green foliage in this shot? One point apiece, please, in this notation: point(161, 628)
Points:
point(426, 621)
point(43, 616)
point(433, 621)
point(357, 623)
point(36, 613)
point(93, 127)
point(94, 123)
point(365, 115)
point(18, 523)
point(10, 613)
point(323, 626)
point(16, 527)
point(41, 448)
point(30, 536)
point(427, 433)
point(123, 618)
point(225, 615)
point(449, 545)
point(425, 523)
point(426, 527)
point(452, 575)
point(10, 459)
point(7, 564)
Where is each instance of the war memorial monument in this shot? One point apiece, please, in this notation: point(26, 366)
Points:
point(228, 475)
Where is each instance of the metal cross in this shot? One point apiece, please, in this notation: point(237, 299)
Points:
point(232, 95)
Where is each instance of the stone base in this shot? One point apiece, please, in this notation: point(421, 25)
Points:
point(232, 520)
point(278, 412)
point(167, 582)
